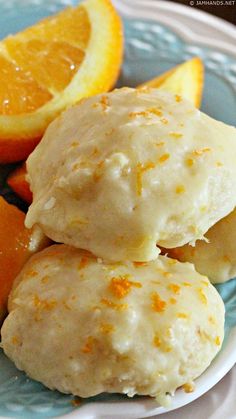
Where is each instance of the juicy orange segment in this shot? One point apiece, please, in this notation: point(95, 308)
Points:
point(19, 92)
point(72, 25)
point(52, 51)
point(52, 65)
point(43, 60)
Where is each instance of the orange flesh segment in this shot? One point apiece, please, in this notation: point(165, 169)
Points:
point(18, 183)
point(14, 250)
point(44, 59)
point(19, 92)
point(52, 64)
point(71, 25)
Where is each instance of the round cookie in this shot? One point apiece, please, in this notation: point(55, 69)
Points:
point(85, 327)
point(215, 257)
point(124, 171)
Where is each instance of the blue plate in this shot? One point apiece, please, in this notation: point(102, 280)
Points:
point(150, 49)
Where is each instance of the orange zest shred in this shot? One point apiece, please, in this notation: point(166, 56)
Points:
point(15, 340)
point(178, 98)
point(139, 264)
point(89, 344)
point(203, 282)
point(98, 171)
point(200, 152)
point(211, 320)
point(202, 296)
point(155, 111)
point(104, 102)
point(160, 144)
point(167, 274)
point(172, 261)
point(75, 144)
point(159, 343)
point(204, 336)
point(156, 341)
point(163, 158)
point(44, 304)
point(175, 288)
point(113, 305)
point(146, 113)
point(172, 300)
point(135, 114)
point(226, 258)
point(180, 189)
point(176, 135)
point(121, 286)
point(186, 284)
point(164, 121)
point(31, 274)
point(158, 304)
point(182, 315)
point(189, 162)
point(140, 170)
point(217, 341)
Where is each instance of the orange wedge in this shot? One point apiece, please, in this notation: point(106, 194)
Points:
point(52, 65)
point(17, 244)
point(18, 183)
point(185, 80)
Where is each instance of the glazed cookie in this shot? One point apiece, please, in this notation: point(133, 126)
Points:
point(122, 172)
point(132, 328)
point(215, 257)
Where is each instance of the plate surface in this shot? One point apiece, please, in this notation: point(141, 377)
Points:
point(158, 35)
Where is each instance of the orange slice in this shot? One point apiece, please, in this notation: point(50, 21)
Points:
point(18, 183)
point(185, 80)
point(52, 65)
point(17, 244)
